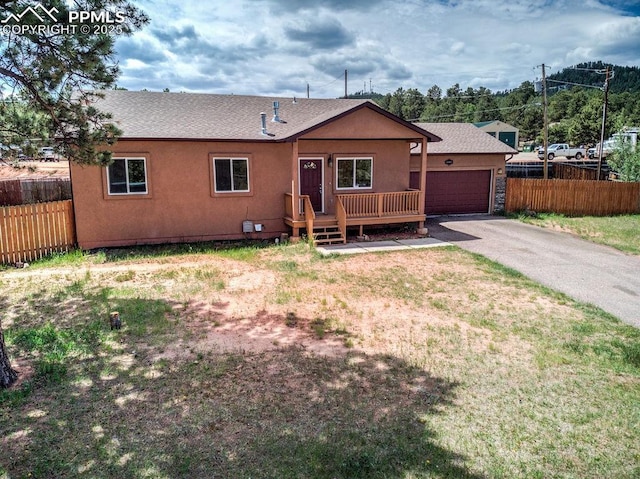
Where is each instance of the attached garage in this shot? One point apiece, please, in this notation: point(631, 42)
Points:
point(458, 192)
point(462, 169)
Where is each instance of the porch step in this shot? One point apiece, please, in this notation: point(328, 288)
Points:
point(327, 234)
point(323, 220)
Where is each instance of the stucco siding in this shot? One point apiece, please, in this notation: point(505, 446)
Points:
point(363, 123)
point(182, 204)
point(390, 164)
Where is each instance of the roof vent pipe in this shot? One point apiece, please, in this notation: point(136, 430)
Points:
point(263, 120)
point(276, 107)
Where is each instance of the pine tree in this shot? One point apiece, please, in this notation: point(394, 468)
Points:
point(49, 76)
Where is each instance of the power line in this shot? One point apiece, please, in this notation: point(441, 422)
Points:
point(339, 77)
point(575, 84)
point(520, 107)
point(596, 70)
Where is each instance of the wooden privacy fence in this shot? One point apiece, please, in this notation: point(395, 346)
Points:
point(572, 197)
point(29, 232)
point(563, 171)
point(20, 192)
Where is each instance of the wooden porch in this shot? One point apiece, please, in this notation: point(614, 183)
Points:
point(357, 209)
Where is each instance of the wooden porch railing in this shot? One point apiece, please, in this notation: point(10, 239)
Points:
point(288, 205)
point(397, 203)
point(309, 215)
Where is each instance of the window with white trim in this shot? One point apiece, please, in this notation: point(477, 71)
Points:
point(231, 174)
point(127, 176)
point(354, 173)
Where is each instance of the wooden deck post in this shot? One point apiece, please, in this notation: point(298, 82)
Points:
point(295, 197)
point(294, 181)
point(423, 181)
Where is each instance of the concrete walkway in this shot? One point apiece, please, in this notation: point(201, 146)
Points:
point(377, 246)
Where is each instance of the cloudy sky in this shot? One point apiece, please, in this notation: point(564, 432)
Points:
point(278, 47)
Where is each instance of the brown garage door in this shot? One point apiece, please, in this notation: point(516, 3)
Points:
point(457, 192)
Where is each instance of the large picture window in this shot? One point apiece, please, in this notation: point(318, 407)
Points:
point(231, 174)
point(127, 176)
point(354, 173)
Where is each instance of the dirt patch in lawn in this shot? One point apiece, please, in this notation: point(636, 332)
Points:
point(354, 366)
point(374, 303)
point(31, 170)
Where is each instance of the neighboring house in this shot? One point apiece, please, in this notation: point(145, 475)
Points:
point(462, 170)
point(504, 132)
point(193, 167)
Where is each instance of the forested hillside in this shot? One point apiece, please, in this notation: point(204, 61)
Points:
point(575, 111)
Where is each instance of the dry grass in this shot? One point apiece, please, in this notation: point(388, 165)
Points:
point(279, 363)
point(620, 232)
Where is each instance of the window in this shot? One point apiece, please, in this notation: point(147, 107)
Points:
point(355, 173)
point(231, 174)
point(127, 176)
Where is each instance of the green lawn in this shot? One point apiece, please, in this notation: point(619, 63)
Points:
point(620, 232)
point(279, 363)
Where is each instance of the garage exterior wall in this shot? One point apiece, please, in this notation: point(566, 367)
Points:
point(461, 162)
point(497, 127)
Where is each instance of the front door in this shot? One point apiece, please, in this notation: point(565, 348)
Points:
point(311, 181)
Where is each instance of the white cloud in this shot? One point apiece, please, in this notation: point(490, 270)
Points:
point(276, 47)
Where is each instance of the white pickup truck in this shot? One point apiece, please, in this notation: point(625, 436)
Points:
point(47, 153)
point(562, 149)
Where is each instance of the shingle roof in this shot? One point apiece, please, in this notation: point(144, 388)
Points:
point(199, 116)
point(463, 138)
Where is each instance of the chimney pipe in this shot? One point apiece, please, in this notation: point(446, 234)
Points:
point(263, 120)
point(276, 107)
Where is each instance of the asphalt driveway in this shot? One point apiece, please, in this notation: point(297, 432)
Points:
point(585, 271)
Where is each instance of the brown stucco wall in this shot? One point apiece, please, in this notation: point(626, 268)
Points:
point(481, 161)
point(363, 123)
point(181, 205)
point(390, 164)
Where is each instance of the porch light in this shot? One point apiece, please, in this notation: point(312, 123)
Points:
point(448, 162)
point(330, 161)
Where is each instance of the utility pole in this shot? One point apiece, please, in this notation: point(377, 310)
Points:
point(307, 90)
point(546, 124)
point(345, 83)
point(604, 120)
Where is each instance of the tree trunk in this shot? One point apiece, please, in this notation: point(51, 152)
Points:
point(7, 374)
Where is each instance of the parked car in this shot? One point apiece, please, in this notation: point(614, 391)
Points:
point(47, 153)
